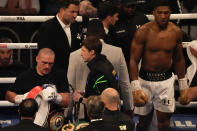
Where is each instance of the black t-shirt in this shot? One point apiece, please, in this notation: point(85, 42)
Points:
point(30, 79)
point(12, 70)
point(119, 120)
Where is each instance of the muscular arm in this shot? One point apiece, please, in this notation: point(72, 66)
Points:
point(65, 99)
point(137, 46)
point(10, 96)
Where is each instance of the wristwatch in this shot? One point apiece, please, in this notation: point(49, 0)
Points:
point(80, 99)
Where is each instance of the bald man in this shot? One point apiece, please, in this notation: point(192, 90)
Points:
point(43, 73)
point(112, 113)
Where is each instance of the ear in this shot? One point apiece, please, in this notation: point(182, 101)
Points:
point(61, 9)
point(37, 59)
point(92, 52)
point(108, 18)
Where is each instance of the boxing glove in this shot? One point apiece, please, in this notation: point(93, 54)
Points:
point(183, 87)
point(183, 99)
point(19, 98)
point(139, 98)
point(48, 94)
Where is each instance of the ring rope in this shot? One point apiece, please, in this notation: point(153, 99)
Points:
point(191, 104)
point(79, 18)
point(35, 45)
point(18, 45)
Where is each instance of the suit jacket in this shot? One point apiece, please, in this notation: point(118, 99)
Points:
point(99, 126)
point(51, 35)
point(25, 125)
point(78, 72)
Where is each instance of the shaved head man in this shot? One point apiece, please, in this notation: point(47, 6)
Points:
point(112, 114)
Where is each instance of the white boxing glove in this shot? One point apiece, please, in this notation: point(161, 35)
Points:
point(19, 98)
point(49, 94)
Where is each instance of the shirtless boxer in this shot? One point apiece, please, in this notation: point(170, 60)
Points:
point(158, 45)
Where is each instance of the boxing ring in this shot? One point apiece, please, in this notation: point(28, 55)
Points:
point(32, 46)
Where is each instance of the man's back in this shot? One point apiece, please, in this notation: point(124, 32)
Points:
point(119, 119)
point(99, 126)
point(25, 125)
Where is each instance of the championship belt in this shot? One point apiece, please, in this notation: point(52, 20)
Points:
point(76, 126)
point(68, 126)
point(56, 120)
point(81, 125)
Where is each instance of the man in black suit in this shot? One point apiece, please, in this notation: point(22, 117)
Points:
point(61, 33)
point(27, 111)
point(95, 108)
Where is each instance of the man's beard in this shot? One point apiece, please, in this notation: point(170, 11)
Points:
point(4, 62)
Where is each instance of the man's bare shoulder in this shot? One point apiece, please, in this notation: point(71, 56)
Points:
point(144, 30)
point(145, 27)
point(174, 27)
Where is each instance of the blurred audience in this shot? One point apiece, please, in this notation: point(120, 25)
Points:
point(189, 26)
point(107, 12)
point(19, 7)
point(8, 66)
point(87, 9)
point(129, 21)
point(48, 7)
point(146, 6)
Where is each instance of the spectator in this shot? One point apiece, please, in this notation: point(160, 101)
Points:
point(27, 111)
point(78, 70)
point(48, 7)
point(3, 7)
point(147, 6)
point(129, 21)
point(95, 109)
point(8, 66)
point(112, 113)
point(107, 12)
point(23, 7)
point(87, 9)
point(44, 73)
point(189, 26)
point(61, 33)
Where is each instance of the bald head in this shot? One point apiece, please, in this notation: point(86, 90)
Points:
point(46, 51)
point(111, 98)
point(45, 60)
